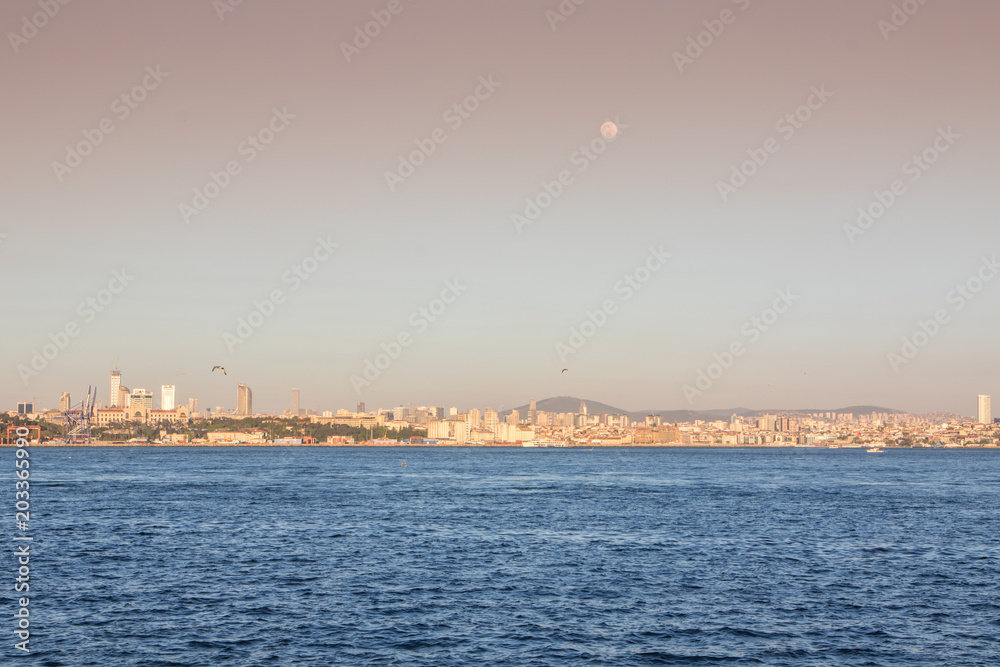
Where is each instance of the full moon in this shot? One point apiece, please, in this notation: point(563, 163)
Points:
point(609, 130)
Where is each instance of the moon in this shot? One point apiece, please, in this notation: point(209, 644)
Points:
point(609, 130)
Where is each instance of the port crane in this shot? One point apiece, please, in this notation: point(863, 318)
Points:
point(78, 419)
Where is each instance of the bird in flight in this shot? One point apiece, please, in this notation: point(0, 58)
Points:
point(219, 368)
point(564, 370)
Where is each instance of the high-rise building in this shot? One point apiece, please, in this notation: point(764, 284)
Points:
point(244, 400)
point(141, 397)
point(167, 397)
point(25, 408)
point(64, 402)
point(475, 421)
point(490, 420)
point(192, 406)
point(295, 401)
point(400, 413)
point(768, 422)
point(361, 407)
point(583, 408)
point(124, 399)
point(514, 418)
point(116, 383)
point(985, 414)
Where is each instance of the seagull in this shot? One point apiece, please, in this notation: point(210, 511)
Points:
point(219, 368)
point(564, 370)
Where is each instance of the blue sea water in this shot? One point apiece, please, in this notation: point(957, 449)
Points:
point(483, 556)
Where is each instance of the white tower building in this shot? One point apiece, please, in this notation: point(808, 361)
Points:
point(985, 414)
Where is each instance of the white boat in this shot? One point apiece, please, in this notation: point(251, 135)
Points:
point(875, 450)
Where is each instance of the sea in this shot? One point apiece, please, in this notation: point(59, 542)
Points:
point(507, 556)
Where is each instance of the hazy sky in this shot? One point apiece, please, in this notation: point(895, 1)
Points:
point(93, 183)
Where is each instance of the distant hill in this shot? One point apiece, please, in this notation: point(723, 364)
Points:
point(853, 409)
point(572, 404)
point(568, 404)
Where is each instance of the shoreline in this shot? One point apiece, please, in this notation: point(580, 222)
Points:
point(110, 443)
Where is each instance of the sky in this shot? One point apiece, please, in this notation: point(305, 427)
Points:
point(266, 187)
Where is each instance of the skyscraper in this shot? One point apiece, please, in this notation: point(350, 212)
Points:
point(167, 397)
point(192, 406)
point(295, 401)
point(116, 383)
point(361, 407)
point(64, 402)
point(985, 414)
point(244, 400)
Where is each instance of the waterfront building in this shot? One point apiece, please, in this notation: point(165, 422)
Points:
point(109, 416)
point(356, 420)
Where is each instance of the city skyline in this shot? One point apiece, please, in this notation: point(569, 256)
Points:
point(792, 205)
point(981, 413)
